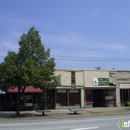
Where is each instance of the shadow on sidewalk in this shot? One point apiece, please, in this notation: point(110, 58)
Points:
point(40, 115)
point(74, 114)
point(8, 115)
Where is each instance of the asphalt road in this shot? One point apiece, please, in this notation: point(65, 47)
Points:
point(85, 123)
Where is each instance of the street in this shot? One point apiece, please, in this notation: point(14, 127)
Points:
point(85, 123)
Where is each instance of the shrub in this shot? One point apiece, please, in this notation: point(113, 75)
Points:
point(127, 103)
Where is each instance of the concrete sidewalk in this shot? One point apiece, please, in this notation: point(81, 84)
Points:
point(64, 113)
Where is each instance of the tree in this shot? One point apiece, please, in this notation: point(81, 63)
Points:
point(31, 66)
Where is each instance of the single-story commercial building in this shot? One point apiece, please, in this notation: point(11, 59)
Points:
point(77, 89)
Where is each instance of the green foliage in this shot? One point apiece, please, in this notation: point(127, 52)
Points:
point(31, 66)
point(127, 103)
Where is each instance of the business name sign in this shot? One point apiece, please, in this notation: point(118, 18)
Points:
point(124, 86)
point(100, 81)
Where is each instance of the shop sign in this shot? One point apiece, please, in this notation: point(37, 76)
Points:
point(124, 85)
point(101, 81)
point(61, 91)
point(73, 91)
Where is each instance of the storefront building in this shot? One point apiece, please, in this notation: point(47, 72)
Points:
point(86, 88)
point(70, 92)
point(29, 100)
point(99, 91)
point(75, 89)
point(123, 83)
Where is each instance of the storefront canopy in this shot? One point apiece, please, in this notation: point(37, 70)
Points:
point(2, 92)
point(29, 89)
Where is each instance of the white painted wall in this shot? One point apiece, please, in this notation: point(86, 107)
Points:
point(79, 78)
point(89, 75)
point(65, 77)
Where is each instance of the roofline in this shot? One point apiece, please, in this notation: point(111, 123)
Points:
point(71, 69)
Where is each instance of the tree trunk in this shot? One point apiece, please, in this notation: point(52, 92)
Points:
point(18, 103)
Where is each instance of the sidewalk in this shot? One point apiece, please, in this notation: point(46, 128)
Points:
point(65, 113)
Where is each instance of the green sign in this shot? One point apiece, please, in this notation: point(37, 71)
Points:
point(103, 81)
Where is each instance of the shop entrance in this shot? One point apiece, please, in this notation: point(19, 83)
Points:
point(124, 96)
point(98, 98)
point(66, 98)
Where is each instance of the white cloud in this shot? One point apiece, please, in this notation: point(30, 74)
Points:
point(59, 53)
point(113, 46)
point(10, 42)
point(18, 21)
point(72, 39)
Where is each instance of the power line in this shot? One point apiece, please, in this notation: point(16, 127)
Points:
point(74, 58)
point(83, 58)
point(94, 60)
point(91, 57)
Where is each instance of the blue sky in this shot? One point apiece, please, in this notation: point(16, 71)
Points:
point(76, 30)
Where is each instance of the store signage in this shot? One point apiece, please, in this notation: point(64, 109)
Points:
point(61, 91)
point(124, 85)
point(100, 81)
point(73, 91)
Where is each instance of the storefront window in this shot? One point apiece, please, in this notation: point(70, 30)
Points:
point(68, 97)
point(89, 96)
point(110, 94)
point(28, 100)
point(1, 100)
point(125, 96)
point(74, 98)
point(12, 99)
point(61, 98)
point(35, 99)
point(22, 100)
